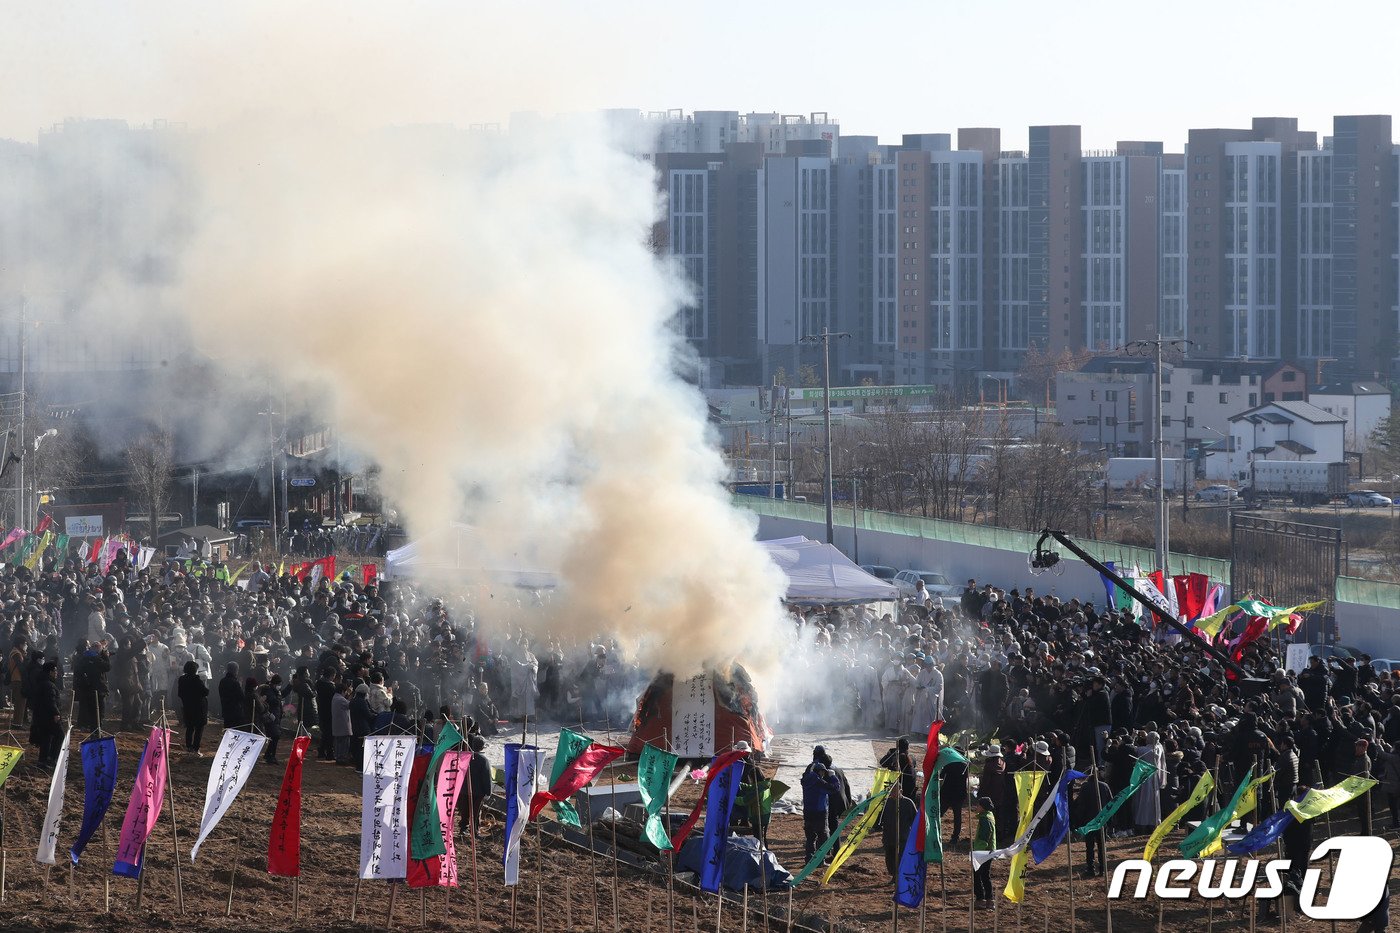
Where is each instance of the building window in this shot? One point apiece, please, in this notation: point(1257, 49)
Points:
point(1224, 396)
point(1190, 398)
point(1290, 376)
point(1166, 395)
point(1253, 400)
point(1069, 398)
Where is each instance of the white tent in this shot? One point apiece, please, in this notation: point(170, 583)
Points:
point(457, 551)
point(818, 573)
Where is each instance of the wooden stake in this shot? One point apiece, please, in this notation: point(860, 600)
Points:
point(423, 907)
point(355, 902)
point(745, 924)
point(296, 899)
point(943, 903)
point(568, 902)
point(389, 914)
point(1069, 873)
point(232, 877)
point(617, 926)
point(1103, 832)
point(649, 895)
point(170, 799)
point(789, 916)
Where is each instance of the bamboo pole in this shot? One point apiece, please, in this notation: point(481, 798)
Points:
point(170, 799)
point(233, 876)
point(539, 852)
point(943, 902)
point(617, 925)
point(592, 850)
point(1103, 832)
point(296, 899)
point(389, 914)
point(355, 902)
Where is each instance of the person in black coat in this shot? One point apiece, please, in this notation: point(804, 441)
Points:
point(91, 684)
point(325, 694)
point(46, 729)
point(1090, 796)
point(231, 697)
point(194, 696)
point(479, 786)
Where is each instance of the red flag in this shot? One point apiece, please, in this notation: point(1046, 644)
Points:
point(45, 524)
point(717, 765)
point(1182, 586)
point(284, 843)
point(1197, 591)
point(301, 570)
point(422, 873)
point(327, 565)
point(1257, 626)
point(930, 757)
point(371, 573)
point(95, 550)
point(580, 772)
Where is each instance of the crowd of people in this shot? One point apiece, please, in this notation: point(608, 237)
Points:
point(1023, 680)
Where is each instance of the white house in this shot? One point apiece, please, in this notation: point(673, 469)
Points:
point(1362, 404)
point(1283, 431)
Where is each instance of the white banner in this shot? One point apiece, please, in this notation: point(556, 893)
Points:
point(82, 526)
point(693, 717)
point(143, 557)
point(1297, 657)
point(238, 752)
point(48, 836)
point(384, 809)
point(527, 770)
point(981, 857)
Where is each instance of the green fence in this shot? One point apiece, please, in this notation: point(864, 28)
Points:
point(1368, 592)
point(1002, 539)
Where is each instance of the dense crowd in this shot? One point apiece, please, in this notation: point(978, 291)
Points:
point(1023, 680)
point(341, 658)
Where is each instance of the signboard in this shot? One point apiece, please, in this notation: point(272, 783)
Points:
point(303, 481)
point(82, 526)
point(693, 717)
point(850, 392)
point(1297, 658)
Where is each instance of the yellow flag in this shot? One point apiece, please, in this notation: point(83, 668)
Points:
point(9, 757)
point(1203, 788)
point(1212, 624)
point(37, 554)
point(1028, 785)
point(282, 567)
point(1246, 805)
point(883, 778)
point(1283, 614)
point(1319, 801)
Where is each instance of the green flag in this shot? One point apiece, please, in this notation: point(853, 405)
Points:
point(425, 835)
point(571, 745)
point(1212, 826)
point(820, 855)
point(933, 806)
point(1141, 772)
point(60, 546)
point(654, 782)
point(1319, 801)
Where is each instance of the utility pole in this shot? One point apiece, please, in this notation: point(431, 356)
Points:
point(1162, 522)
point(194, 495)
point(772, 446)
point(21, 505)
point(272, 474)
point(825, 338)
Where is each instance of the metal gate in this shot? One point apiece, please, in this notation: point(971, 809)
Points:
point(1286, 563)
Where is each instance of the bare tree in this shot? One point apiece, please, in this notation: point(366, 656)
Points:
point(1050, 483)
point(150, 459)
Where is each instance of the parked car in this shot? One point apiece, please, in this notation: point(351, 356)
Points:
point(1217, 493)
point(935, 583)
point(1367, 499)
point(1329, 651)
point(245, 525)
point(882, 571)
point(1385, 665)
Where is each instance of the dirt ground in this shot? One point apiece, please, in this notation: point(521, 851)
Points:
point(859, 897)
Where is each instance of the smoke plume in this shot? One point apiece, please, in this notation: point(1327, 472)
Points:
point(482, 311)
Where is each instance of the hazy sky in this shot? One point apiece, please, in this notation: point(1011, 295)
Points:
point(1121, 68)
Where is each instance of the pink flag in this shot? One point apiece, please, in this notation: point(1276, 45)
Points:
point(147, 795)
point(452, 777)
point(12, 537)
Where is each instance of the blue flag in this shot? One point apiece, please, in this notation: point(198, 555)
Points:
point(1108, 584)
point(1266, 833)
point(909, 891)
point(99, 781)
point(1042, 847)
point(716, 841)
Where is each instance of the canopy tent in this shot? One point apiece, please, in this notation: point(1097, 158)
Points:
point(818, 573)
point(458, 551)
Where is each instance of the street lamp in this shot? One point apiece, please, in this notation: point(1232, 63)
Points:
point(825, 338)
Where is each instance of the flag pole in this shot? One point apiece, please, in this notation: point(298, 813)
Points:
point(233, 875)
point(1214, 802)
point(971, 901)
point(670, 852)
point(170, 799)
point(1254, 821)
point(592, 852)
point(607, 723)
point(1103, 836)
point(943, 902)
point(539, 849)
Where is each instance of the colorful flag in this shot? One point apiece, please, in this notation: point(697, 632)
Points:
point(388, 763)
point(912, 874)
point(1204, 786)
point(1246, 804)
point(930, 756)
point(1028, 784)
point(233, 762)
point(371, 573)
point(284, 840)
point(1285, 616)
point(718, 764)
point(422, 873)
point(99, 758)
point(654, 783)
point(1142, 770)
point(933, 807)
point(14, 535)
point(716, 835)
point(147, 795)
point(9, 757)
point(578, 774)
point(453, 774)
point(883, 779)
point(1204, 835)
point(45, 523)
point(1108, 585)
point(1059, 826)
point(868, 805)
point(982, 857)
point(1263, 835)
point(1318, 801)
point(523, 764)
point(426, 837)
point(571, 745)
point(48, 835)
